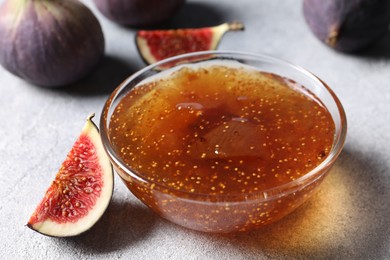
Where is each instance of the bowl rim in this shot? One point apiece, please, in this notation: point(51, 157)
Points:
point(287, 188)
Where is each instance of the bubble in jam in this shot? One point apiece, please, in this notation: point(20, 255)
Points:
point(220, 130)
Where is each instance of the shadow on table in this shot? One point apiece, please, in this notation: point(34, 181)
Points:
point(347, 218)
point(110, 72)
point(122, 225)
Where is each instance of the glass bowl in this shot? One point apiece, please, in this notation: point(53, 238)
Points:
point(224, 213)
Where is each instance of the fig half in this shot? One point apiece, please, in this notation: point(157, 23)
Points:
point(348, 25)
point(81, 190)
point(156, 45)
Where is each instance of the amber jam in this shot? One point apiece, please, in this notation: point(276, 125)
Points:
point(209, 142)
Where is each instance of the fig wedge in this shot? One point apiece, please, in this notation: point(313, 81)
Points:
point(81, 190)
point(156, 45)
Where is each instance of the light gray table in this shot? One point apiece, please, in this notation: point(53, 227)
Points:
point(347, 219)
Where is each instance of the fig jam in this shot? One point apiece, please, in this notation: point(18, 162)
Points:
point(213, 132)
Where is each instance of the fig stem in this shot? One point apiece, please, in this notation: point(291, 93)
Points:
point(89, 118)
point(236, 26)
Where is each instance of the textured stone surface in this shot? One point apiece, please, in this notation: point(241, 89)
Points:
point(347, 219)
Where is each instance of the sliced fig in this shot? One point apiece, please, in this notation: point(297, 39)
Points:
point(348, 25)
point(156, 45)
point(81, 190)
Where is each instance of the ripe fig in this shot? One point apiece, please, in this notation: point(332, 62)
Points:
point(138, 12)
point(81, 191)
point(348, 25)
point(156, 45)
point(49, 42)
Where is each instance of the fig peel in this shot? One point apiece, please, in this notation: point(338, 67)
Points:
point(49, 42)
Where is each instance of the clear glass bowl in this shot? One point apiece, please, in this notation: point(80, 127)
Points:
point(227, 212)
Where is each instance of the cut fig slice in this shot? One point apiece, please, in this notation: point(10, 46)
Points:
point(81, 190)
point(157, 45)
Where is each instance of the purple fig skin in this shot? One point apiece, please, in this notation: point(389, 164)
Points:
point(49, 42)
point(348, 25)
point(138, 12)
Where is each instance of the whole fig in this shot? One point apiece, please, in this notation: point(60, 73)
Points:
point(348, 25)
point(49, 42)
point(138, 12)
